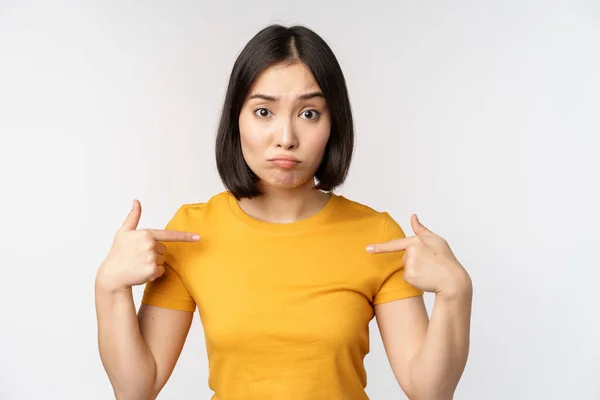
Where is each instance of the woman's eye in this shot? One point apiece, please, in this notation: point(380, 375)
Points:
point(310, 114)
point(262, 112)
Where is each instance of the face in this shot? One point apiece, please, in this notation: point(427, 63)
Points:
point(284, 126)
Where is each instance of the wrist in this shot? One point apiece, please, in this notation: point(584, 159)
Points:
point(105, 284)
point(460, 287)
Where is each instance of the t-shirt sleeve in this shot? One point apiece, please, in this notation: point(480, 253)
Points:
point(394, 286)
point(169, 290)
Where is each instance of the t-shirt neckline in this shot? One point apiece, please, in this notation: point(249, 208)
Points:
point(310, 222)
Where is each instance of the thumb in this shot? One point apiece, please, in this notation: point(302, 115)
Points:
point(133, 219)
point(417, 227)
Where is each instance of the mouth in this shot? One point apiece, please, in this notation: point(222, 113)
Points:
point(285, 162)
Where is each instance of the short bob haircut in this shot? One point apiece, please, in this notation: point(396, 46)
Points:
point(278, 44)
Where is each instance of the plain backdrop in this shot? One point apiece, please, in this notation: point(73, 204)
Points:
point(481, 117)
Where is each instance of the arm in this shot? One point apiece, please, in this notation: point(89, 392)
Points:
point(427, 357)
point(138, 354)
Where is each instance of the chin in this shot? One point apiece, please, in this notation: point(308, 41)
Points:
point(282, 185)
point(286, 181)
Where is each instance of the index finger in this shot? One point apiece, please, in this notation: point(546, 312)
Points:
point(392, 245)
point(174, 236)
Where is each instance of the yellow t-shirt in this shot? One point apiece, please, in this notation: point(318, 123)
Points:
point(285, 307)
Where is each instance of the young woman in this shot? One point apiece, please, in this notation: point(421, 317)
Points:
point(285, 274)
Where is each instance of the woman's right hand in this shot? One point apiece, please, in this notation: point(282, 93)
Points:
point(137, 256)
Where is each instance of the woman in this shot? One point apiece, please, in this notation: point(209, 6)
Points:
point(286, 274)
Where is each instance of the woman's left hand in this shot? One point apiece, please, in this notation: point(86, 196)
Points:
point(429, 263)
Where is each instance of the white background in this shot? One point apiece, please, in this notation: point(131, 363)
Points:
point(481, 117)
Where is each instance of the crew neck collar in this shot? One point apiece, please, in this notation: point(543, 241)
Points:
point(311, 222)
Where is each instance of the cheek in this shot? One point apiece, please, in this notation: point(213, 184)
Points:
point(250, 137)
point(318, 141)
point(248, 141)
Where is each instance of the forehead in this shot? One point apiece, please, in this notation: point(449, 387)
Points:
point(281, 79)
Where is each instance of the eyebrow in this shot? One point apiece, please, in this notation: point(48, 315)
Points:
point(304, 96)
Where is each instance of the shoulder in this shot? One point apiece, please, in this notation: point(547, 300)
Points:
point(380, 220)
point(189, 214)
point(358, 210)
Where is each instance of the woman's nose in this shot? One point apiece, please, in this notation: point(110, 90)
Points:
point(286, 136)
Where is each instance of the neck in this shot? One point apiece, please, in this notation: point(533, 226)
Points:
point(283, 205)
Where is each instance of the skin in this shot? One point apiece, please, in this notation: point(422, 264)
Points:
point(138, 352)
point(427, 357)
point(284, 115)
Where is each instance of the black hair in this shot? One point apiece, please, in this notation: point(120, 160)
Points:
point(276, 44)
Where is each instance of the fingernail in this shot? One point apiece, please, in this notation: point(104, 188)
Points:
point(196, 237)
point(370, 248)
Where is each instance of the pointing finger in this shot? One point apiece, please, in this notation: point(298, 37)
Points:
point(392, 245)
point(174, 236)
